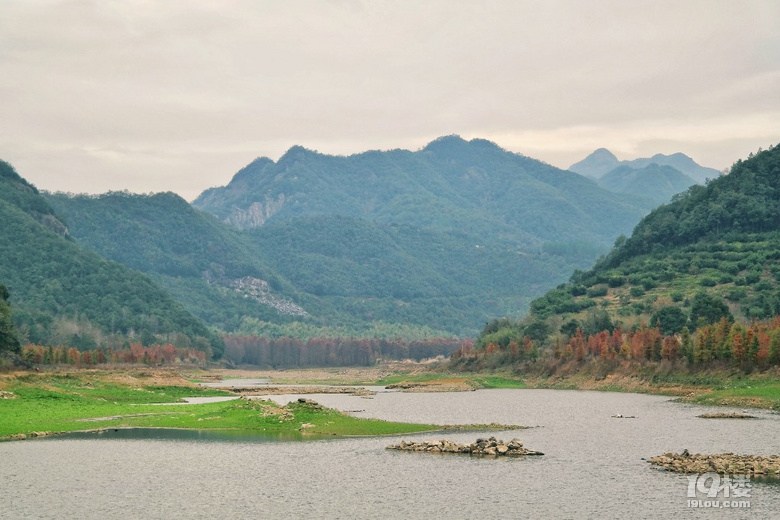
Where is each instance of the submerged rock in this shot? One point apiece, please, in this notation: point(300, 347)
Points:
point(481, 447)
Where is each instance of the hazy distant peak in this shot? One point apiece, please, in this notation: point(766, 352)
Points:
point(260, 161)
point(296, 152)
point(455, 145)
point(603, 153)
point(597, 164)
point(679, 161)
point(445, 142)
point(602, 161)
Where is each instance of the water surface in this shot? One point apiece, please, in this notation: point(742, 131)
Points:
point(592, 467)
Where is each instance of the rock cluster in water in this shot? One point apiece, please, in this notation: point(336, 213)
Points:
point(726, 415)
point(483, 447)
point(726, 463)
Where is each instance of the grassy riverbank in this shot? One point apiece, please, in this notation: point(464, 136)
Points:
point(88, 400)
point(63, 401)
point(712, 387)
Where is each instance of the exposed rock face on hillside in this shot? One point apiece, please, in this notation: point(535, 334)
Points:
point(260, 291)
point(257, 213)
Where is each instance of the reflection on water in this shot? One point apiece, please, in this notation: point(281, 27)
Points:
point(592, 467)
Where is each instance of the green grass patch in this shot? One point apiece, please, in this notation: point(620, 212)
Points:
point(67, 403)
point(499, 382)
point(412, 378)
point(479, 381)
point(765, 394)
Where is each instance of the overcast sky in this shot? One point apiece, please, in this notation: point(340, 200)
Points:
point(162, 95)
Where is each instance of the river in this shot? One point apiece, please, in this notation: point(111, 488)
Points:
point(592, 467)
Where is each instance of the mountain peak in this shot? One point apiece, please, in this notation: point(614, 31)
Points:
point(602, 161)
point(595, 165)
point(681, 162)
point(296, 152)
point(454, 146)
point(444, 143)
point(251, 169)
point(603, 153)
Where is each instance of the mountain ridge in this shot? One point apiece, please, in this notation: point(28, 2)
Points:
point(450, 183)
point(602, 161)
point(431, 238)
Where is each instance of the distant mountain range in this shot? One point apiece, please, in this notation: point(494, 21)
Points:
point(412, 244)
point(438, 240)
point(602, 161)
point(656, 179)
point(451, 185)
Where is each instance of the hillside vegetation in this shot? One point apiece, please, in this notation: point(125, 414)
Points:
point(427, 244)
point(706, 259)
point(721, 240)
point(9, 343)
point(63, 293)
point(209, 267)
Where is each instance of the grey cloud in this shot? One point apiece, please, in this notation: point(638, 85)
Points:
point(177, 95)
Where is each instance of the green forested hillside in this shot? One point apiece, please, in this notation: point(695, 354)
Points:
point(445, 237)
point(439, 240)
point(350, 275)
point(404, 274)
point(198, 259)
point(62, 293)
point(9, 343)
point(712, 253)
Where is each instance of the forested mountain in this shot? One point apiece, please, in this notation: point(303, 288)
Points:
point(208, 266)
point(597, 164)
point(62, 293)
point(654, 182)
point(351, 275)
point(437, 240)
point(697, 283)
point(399, 273)
point(473, 187)
point(712, 252)
point(445, 236)
point(602, 161)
